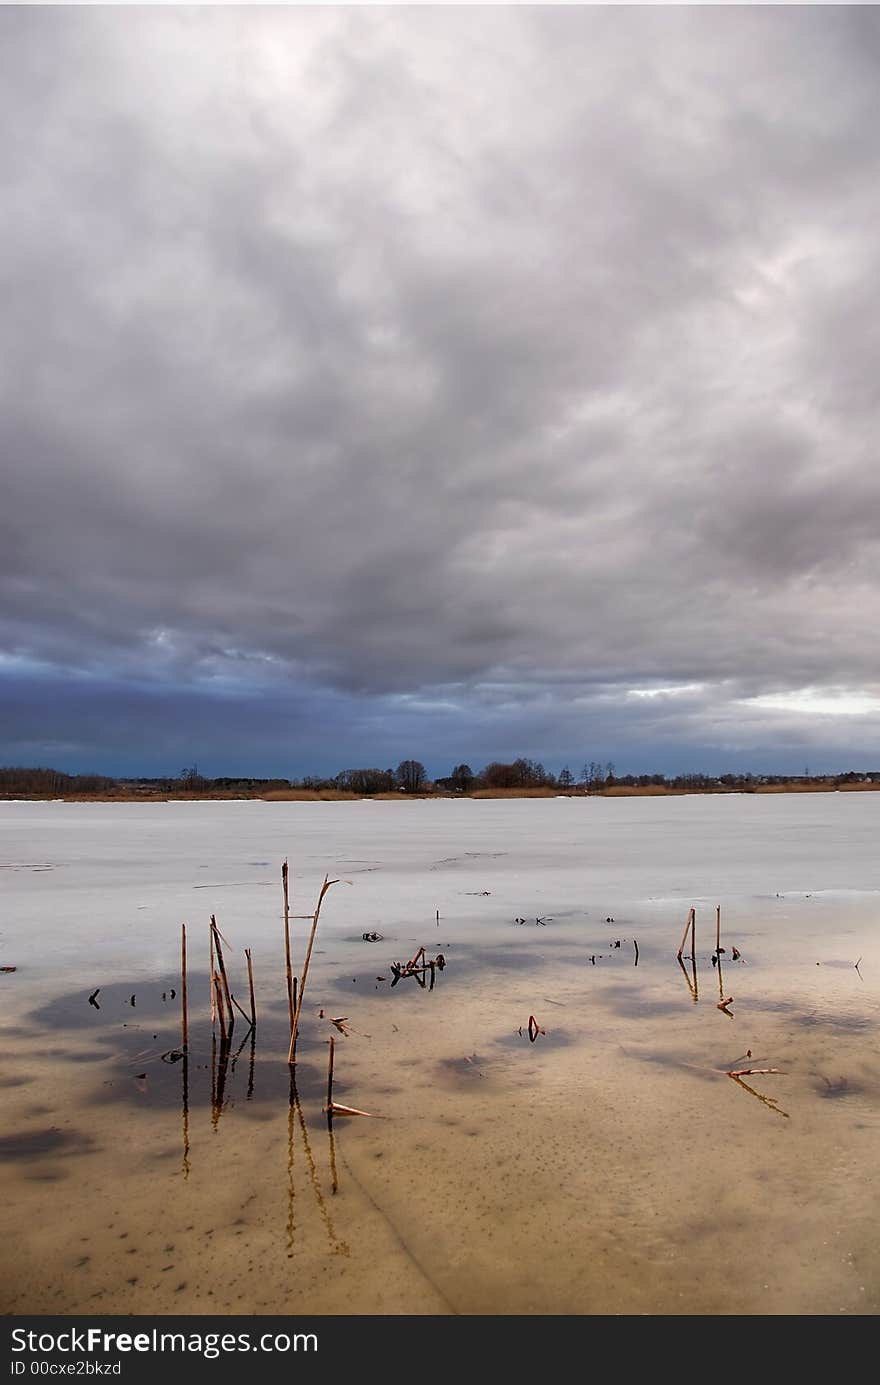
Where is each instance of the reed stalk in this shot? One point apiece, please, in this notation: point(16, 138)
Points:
point(247, 953)
point(184, 1018)
point(689, 926)
point(211, 977)
point(241, 1010)
point(291, 1053)
point(222, 967)
point(291, 997)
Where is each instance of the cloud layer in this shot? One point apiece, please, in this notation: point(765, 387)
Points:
point(422, 380)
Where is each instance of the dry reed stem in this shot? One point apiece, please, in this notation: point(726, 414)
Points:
point(751, 1072)
point(335, 1109)
point(401, 970)
point(247, 953)
point(769, 1101)
point(213, 969)
point(242, 1011)
point(723, 1004)
point(691, 924)
point(221, 1015)
point(222, 936)
point(184, 1018)
point(718, 929)
point(291, 1053)
point(291, 999)
point(222, 965)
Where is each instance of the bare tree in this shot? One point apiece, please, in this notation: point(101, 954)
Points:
point(365, 781)
point(522, 773)
point(190, 779)
point(411, 776)
point(462, 778)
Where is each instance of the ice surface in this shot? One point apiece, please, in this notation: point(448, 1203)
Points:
point(610, 1167)
point(109, 884)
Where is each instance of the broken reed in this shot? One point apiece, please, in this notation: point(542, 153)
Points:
point(247, 953)
point(241, 1010)
point(689, 926)
point(221, 986)
point(291, 1053)
point(211, 976)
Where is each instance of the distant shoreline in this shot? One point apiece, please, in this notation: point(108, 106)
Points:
point(340, 796)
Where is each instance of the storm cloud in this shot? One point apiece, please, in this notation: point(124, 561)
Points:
point(452, 382)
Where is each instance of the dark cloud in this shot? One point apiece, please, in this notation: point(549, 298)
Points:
point(439, 375)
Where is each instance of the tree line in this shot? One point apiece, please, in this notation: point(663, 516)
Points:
point(410, 777)
point(52, 782)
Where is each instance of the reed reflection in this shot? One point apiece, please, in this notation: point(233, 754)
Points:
point(296, 1120)
point(693, 989)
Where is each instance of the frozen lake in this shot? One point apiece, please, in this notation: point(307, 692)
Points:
point(611, 1166)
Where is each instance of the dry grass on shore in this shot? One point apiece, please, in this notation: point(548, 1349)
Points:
point(341, 796)
point(828, 787)
point(543, 792)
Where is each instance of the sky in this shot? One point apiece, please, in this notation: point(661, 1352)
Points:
point(449, 383)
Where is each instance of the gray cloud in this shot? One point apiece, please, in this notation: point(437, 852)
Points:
point(464, 367)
